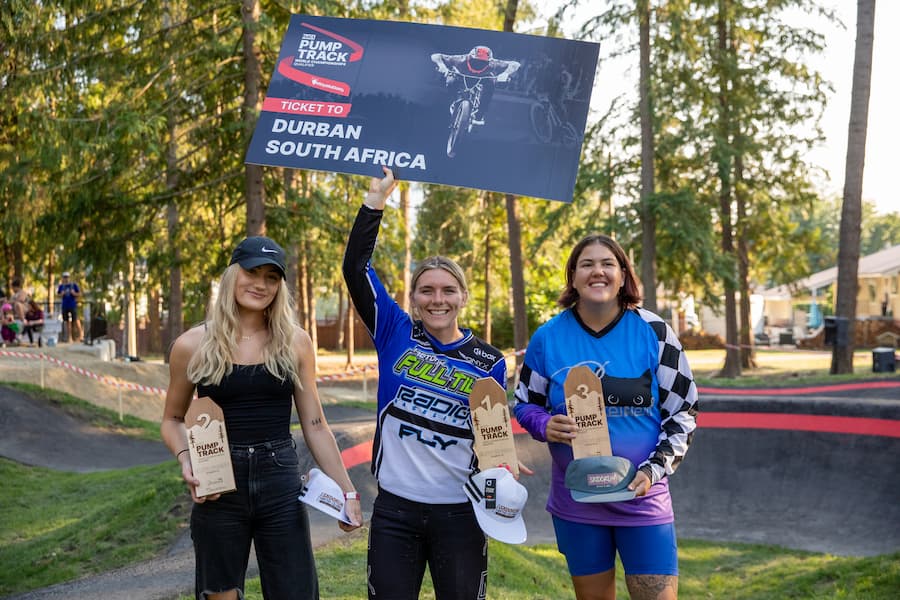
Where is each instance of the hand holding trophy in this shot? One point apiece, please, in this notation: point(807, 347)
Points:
point(595, 475)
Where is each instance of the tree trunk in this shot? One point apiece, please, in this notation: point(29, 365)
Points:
point(732, 367)
point(351, 323)
point(516, 266)
point(407, 245)
point(255, 190)
point(313, 329)
point(648, 216)
point(154, 327)
point(748, 352)
point(175, 299)
point(486, 333)
point(342, 319)
point(130, 345)
point(851, 209)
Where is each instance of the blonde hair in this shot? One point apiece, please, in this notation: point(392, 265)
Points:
point(213, 359)
point(439, 262)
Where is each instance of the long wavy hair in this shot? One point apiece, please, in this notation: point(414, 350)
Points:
point(629, 294)
point(214, 358)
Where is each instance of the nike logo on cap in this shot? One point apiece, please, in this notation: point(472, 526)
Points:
point(264, 249)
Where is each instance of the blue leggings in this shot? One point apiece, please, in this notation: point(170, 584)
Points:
point(591, 549)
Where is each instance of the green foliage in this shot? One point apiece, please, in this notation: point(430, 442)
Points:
point(707, 570)
point(115, 116)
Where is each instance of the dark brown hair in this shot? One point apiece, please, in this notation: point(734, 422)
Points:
point(629, 294)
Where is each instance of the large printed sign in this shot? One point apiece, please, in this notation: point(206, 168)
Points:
point(482, 109)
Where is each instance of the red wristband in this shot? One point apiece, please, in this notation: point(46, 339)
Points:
point(351, 495)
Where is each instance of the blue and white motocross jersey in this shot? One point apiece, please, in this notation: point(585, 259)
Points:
point(423, 447)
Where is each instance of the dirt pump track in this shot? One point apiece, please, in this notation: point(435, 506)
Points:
point(763, 469)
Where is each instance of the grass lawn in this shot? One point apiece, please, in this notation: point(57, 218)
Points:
point(55, 527)
point(708, 570)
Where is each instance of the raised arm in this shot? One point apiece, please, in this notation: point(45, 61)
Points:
point(511, 67)
point(361, 244)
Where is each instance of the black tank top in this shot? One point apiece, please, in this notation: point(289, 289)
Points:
point(257, 405)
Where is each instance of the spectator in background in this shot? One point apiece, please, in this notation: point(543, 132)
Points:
point(70, 292)
point(19, 299)
point(9, 327)
point(34, 322)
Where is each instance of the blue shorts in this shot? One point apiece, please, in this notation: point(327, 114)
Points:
point(591, 549)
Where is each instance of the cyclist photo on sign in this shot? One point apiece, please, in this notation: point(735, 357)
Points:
point(553, 86)
point(478, 63)
point(474, 75)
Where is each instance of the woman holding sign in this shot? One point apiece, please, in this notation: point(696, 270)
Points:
point(423, 453)
point(252, 359)
point(650, 414)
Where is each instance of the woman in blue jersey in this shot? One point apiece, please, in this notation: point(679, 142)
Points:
point(637, 357)
point(254, 361)
point(423, 450)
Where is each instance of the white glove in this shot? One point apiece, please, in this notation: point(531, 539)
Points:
point(503, 77)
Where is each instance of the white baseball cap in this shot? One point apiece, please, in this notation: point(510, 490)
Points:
point(323, 493)
point(498, 500)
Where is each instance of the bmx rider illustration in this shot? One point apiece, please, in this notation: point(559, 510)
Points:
point(478, 64)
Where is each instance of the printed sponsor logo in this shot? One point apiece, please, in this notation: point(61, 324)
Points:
point(603, 479)
point(326, 48)
point(432, 405)
point(329, 500)
point(435, 441)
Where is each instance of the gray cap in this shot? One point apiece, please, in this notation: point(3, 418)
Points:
point(600, 479)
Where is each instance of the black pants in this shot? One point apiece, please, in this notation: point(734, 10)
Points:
point(405, 536)
point(265, 511)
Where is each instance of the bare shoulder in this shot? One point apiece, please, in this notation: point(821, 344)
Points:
point(187, 343)
point(302, 341)
point(303, 347)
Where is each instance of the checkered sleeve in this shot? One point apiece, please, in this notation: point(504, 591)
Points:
point(677, 398)
point(532, 402)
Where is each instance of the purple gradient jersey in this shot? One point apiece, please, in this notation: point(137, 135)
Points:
point(650, 397)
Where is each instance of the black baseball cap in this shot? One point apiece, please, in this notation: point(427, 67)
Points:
point(257, 251)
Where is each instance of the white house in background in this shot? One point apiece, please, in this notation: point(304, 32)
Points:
point(878, 295)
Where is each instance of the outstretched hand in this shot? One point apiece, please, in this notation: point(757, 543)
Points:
point(380, 190)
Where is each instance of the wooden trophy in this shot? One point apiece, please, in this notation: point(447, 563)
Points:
point(208, 443)
point(494, 444)
point(584, 403)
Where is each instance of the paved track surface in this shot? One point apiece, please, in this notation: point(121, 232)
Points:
point(812, 490)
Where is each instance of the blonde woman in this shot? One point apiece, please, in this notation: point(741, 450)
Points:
point(253, 359)
point(423, 450)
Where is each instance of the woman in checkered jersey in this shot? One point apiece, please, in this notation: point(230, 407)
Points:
point(651, 407)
